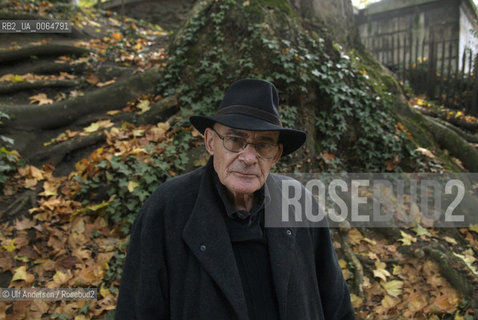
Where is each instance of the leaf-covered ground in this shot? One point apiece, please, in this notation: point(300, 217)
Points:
point(75, 233)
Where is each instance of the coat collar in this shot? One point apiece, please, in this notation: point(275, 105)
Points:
point(205, 233)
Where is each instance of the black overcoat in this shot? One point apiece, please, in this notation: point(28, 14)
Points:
point(180, 262)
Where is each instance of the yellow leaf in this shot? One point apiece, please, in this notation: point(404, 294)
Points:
point(450, 240)
point(397, 269)
point(61, 278)
point(458, 114)
point(421, 231)
point(113, 112)
point(104, 291)
point(343, 263)
point(10, 247)
point(132, 185)
point(474, 228)
point(356, 300)
point(138, 132)
point(380, 271)
point(143, 105)
point(389, 302)
point(355, 236)
point(407, 239)
point(393, 288)
point(468, 259)
point(16, 78)
point(139, 150)
point(92, 127)
point(22, 274)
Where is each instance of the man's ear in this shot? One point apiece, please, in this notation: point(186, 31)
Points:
point(209, 140)
point(279, 154)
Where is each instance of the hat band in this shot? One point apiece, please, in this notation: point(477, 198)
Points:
point(250, 111)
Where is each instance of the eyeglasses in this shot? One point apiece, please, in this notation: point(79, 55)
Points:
point(237, 144)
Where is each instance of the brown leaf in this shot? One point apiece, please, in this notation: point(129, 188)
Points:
point(66, 75)
point(28, 252)
point(24, 224)
point(328, 157)
point(92, 79)
point(448, 301)
point(41, 99)
point(117, 36)
point(68, 262)
point(416, 301)
point(106, 83)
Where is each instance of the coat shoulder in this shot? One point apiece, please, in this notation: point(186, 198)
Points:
point(180, 187)
point(170, 196)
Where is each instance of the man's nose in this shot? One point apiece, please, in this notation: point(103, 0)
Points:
point(249, 154)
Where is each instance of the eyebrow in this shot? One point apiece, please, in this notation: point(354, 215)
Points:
point(237, 133)
point(245, 135)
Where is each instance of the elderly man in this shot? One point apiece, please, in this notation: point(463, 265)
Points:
point(200, 248)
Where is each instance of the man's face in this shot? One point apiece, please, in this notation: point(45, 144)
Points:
point(244, 172)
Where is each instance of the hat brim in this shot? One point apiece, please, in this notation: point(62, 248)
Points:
point(290, 138)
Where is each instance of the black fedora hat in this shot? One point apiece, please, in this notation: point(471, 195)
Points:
point(252, 104)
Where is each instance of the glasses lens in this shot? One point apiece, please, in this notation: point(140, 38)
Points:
point(266, 150)
point(234, 144)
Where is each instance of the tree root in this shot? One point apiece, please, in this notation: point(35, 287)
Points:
point(463, 124)
point(454, 271)
point(353, 262)
point(453, 143)
point(44, 67)
point(57, 115)
point(158, 112)
point(465, 135)
point(455, 121)
point(55, 153)
point(19, 203)
point(21, 86)
point(9, 56)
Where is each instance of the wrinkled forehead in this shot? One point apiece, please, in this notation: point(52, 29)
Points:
point(262, 135)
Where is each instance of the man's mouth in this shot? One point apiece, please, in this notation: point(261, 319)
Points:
point(244, 174)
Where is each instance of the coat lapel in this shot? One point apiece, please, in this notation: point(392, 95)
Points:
point(206, 235)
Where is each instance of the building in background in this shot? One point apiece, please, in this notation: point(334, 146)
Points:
point(402, 32)
point(431, 45)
